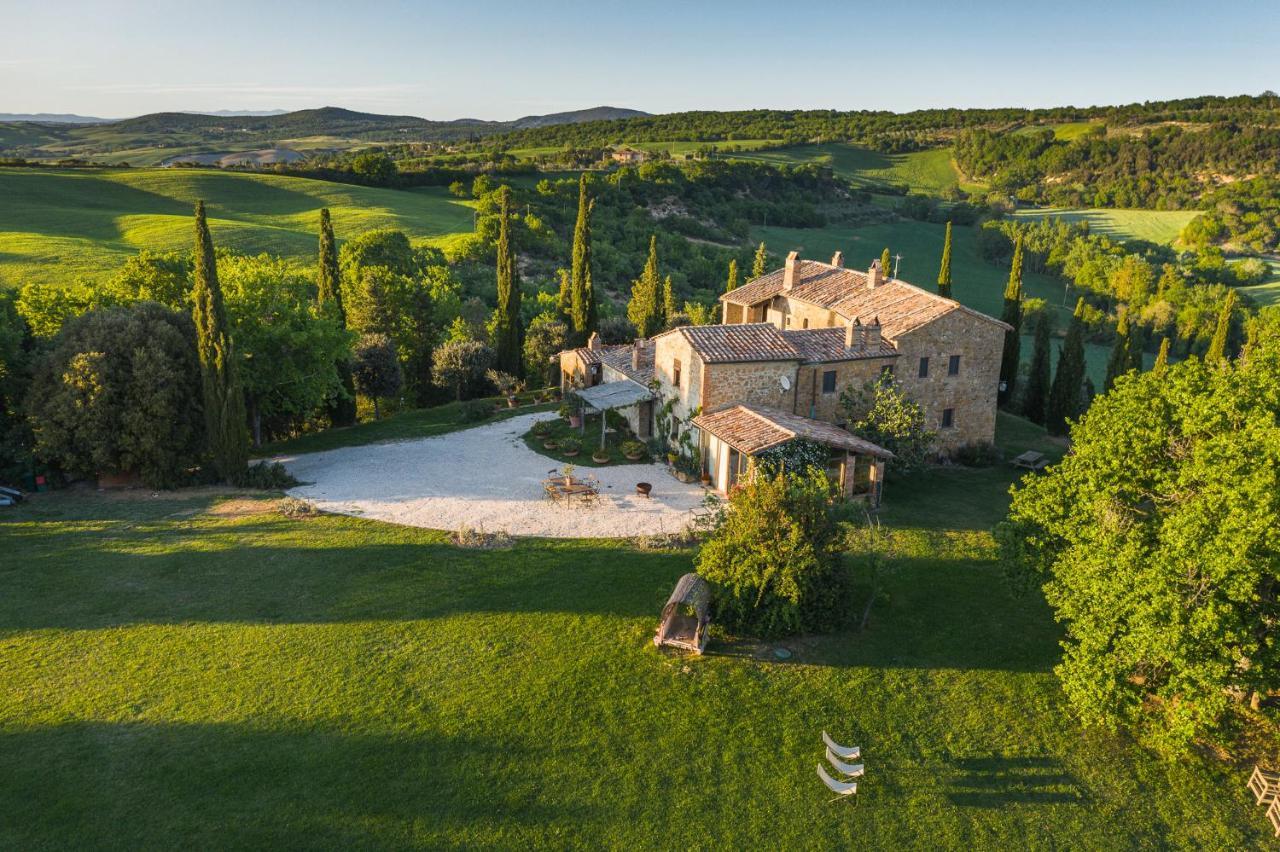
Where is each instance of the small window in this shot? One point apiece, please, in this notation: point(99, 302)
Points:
point(953, 366)
point(948, 418)
point(675, 373)
point(829, 381)
point(787, 322)
point(924, 368)
point(805, 322)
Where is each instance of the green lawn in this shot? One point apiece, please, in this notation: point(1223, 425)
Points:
point(976, 283)
point(1156, 226)
point(929, 172)
point(56, 225)
point(187, 670)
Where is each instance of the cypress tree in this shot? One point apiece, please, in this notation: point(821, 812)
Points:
point(669, 308)
point(224, 411)
point(885, 270)
point(1137, 341)
point(760, 263)
point(506, 327)
point(1218, 345)
point(1012, 315)
point(564, 298)
point(1035, 398)
point(732, 283)
point(583, 302)
point(1064, 396)
point(1119, 362)
point(645, 310)
point(342, 412)
point(1162, 358)
point(944, 271)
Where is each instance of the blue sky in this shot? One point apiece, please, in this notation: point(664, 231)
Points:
point(494, 60)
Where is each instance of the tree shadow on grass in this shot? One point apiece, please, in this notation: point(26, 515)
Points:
point(219, 786)
point(994, 782)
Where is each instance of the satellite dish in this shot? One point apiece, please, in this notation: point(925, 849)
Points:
point(785, 382)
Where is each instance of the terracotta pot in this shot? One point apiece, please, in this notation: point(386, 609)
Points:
point(706, 479)
point(549, 445)
point(635, 458)
point(643, 488)
point(599, 459)
point(570, 453)
point(511, 402)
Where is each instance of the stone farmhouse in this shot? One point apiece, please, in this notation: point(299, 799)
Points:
point(789, 342)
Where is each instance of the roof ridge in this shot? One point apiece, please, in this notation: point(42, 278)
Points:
point(760, 415)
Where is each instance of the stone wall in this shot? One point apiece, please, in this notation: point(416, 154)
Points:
point(972, 393)
point(758, 382)
point(792, 314)
point(812, 402)
point(669, 348)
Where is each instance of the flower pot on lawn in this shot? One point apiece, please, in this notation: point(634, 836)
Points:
point(549, 445)
point(599, 457)
point(575, 421)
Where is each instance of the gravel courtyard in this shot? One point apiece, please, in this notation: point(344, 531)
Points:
point(487, 478)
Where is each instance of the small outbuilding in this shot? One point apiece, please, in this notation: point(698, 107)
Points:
point(686, 616)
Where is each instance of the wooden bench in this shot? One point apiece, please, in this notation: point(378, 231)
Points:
point(1265, 786)
point(1031, 460)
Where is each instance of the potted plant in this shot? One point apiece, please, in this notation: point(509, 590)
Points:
point(570, 446)
point(633, 450)
point(539, 428)
point(570, 410)
point(550, 444)
point(507, 385)
point(600, 456)
point(567, 473)
point(672, 455)
point(706, 476)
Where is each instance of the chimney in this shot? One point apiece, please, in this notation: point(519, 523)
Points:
point(837, 259)
point(853, 336)
point(873, 334)
point(593, 342)
point(875, 275)
point(789, 271)
point(637, 349)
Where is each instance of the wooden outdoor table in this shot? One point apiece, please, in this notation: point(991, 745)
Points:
point(1031, 460)
point(567, 487)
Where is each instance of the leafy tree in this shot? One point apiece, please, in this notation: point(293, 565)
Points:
point(944, 271)
point(1064, 395)
point(1218, 345)
point(546, 337)
point(163, 277)
point(1035, 397)
point(732, 283)
point(120, 392)
point(1120, 360)
point(760, 263)
point(342, 406)
point(880, 412)
point(1164, 569)
point(289, 350)
point(386, 247)
point(460, 366)
point(645, 308)
point(376, 368)
point(507, 332)
point(374, 300)
point(1012, 314)
point(16, 357)
point(223, 396)
point(375, 168)
point(772, 560)
point(584, 316)
point(885, 268)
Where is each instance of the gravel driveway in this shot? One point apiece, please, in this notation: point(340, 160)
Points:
point(487, 478)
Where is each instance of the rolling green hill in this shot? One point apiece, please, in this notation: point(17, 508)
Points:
point(1157, 226)
point(929, 171)
point(56, 226)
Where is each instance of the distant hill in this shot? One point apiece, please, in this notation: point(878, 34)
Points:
point(53, 118)
point(235, 112)
point(164, 136)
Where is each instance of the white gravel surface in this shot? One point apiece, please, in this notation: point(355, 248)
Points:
point(486, 478)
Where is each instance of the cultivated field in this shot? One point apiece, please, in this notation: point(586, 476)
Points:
point(56, 226)
point(1156, 226)
point(192, 669)
point(930, 172)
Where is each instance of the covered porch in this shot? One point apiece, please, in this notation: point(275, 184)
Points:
point(734, 435)
point(625, 395)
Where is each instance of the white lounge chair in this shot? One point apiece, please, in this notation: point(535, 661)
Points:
point(853, 770)
point(842, 752)
point(840, 788)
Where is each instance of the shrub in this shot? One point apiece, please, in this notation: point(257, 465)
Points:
point(977, 454)
point(883, 415)
point(120, 393)
point(375, 366)
point(772, 558)
point(540, 428)
point(632, 448)
point(267, 476)
point(474, 411)
point(795, 456)
point(570, 444)
point(292, 507)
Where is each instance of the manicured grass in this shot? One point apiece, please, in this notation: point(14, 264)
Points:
point(974, 282)
point(1268, 292)
point(59, 225)
point(930, 171)
point(183, 670)
point(1156, 226)
point(1067, 130)
point(589, 435)
point(403, 426)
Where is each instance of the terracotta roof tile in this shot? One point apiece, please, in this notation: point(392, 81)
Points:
point(752, 429)
point(758, 341)
point(618, 357)
point(899, 306)
point(823, 345)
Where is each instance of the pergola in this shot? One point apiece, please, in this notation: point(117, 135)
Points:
point(610, 395)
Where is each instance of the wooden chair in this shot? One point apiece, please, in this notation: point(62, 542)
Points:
point(1264, 785)
point(1273, 814)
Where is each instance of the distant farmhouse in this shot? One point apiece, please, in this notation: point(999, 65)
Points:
point(790, 341)
point(628, 156)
